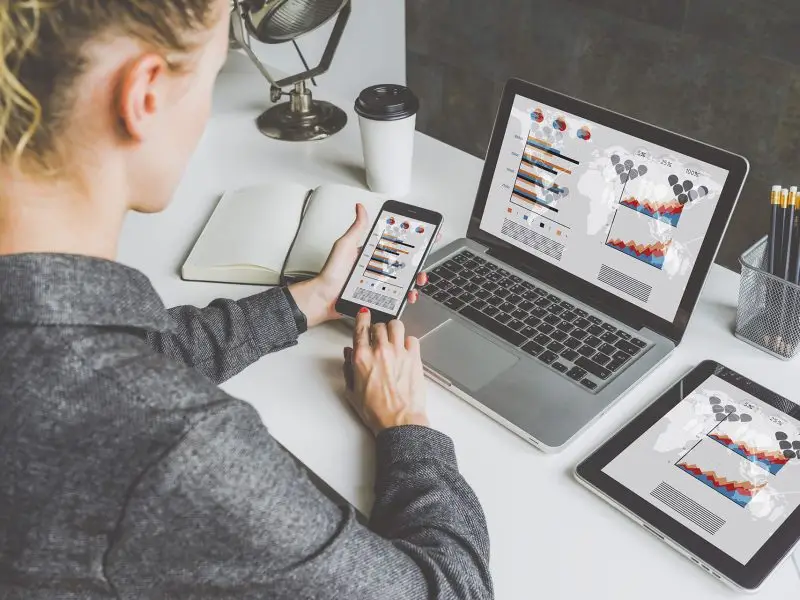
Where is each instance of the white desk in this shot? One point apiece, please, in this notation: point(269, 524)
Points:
point(550, 538)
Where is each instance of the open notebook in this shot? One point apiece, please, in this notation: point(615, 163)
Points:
point(275, 233)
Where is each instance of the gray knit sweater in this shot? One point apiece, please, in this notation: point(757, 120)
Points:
point(126, 473)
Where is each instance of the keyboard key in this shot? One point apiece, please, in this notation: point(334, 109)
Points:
point(502, 293)
point(606, 349)
point(586, 350)
point(581, 312)
point(492, 287)
point(547, 357)
point(479, 260)
point(621, 355)
point(462, 257)
point(576, 373)
point(453, 266)
point(571, 342)
point(529, 332)
point(532, 348)
point(609, 337)
point(531, 296)
point(638, 343)
point(560, 367)
point(627, 347)
point(592, 342)
point(471, 287)
point(518, 289)
point(516, 325)
point(493, 278)
point(503, 317)
point(595, 330)
point(519, 314)
point(445, 285)
point(593, 368)
point(559, 336)
point(441, 296)
point(589, 384)
point(515, 279)
point(478, 280)
point(429, 290)
point(582, 323)
point(609, 327)
point(490, 311)
point(601, 359)
point(444, 272)
point(569, 316)
point(557, 310)
point(570, 355)
point(494, 300)
point(578, 334)
point(507, 307)
point(624, 334)
point(459, 280)
point(595, 320)
point(538, 311)
point(454, 303)
point(483, 271)
point(483, 294)
point(614, 365)
point(433, 277)
point(552, 319)
point(467, 297)
point(545, 327)
point(543, 302)
point(564, 326)
point(542, 339)
point(479, 304)
point(555, 347)
point(532, 321)
point(471, 263)
point(493, 326)
point(567, 305)
point(554, 299)
point(526, 306)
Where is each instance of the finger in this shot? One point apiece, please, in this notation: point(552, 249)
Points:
point(356, 230)
point(397, 333)
point(379, 334)
point(422, 279)
point(412, 344)
point(361, 332)
point(413, 296)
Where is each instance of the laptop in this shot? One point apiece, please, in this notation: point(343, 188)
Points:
point(589, 242)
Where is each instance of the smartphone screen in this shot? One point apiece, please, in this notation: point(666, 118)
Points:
point(389, 263)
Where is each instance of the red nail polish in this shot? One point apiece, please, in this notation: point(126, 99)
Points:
point(363, 309)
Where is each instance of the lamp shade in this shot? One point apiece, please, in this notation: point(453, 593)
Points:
point(279, 21)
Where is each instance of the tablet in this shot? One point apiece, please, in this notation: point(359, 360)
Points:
point(712, 467)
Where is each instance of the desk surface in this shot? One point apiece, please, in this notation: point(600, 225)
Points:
point(550, 538)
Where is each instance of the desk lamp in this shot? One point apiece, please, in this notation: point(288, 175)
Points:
point(302, 118)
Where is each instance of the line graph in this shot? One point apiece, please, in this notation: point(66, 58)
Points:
point(649, 253)
point(740, 492)
point(668, 212)
point(770, 460)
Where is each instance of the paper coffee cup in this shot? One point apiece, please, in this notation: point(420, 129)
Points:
point(388, 118)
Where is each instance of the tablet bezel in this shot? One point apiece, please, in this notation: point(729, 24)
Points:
point(748, 576)
point(611, 304)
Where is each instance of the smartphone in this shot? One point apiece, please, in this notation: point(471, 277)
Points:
point(393, 256)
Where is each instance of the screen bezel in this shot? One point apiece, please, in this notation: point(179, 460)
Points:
point(615, 306)
point(748, 576)
point(350, 308)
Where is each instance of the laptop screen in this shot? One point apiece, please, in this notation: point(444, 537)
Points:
point(619, 212)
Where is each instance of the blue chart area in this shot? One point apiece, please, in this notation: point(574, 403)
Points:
point(388, 258)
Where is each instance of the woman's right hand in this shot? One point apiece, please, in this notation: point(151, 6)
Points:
point(383, 373)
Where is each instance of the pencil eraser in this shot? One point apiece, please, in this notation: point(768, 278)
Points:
point(776, 188)
point(793, 189)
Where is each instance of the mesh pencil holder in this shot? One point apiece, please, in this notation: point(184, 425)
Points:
point(768, 316)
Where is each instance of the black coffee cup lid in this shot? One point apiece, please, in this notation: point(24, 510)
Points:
point(387, 102)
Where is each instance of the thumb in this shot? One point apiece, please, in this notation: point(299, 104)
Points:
point(356, 230)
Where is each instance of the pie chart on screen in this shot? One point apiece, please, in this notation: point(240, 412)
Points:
point(560, 124)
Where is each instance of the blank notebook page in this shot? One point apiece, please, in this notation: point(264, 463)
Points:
point(251, 227)
point(330, 214)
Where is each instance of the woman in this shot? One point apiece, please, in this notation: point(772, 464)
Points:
point(126, 473)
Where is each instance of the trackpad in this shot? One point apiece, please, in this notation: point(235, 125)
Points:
point(464, 356)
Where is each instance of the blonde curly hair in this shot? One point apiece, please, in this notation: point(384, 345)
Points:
point(42, 45)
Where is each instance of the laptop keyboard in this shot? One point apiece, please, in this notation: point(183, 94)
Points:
point(569, 340)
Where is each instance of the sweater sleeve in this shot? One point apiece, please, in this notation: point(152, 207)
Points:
point(229, 514)
point(224, 338)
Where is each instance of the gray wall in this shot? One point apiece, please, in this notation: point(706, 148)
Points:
point(724, 71)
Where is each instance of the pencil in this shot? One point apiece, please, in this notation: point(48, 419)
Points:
point(773, 241)
point(788, 232)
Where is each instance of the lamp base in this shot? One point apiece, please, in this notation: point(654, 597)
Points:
point(318, 121)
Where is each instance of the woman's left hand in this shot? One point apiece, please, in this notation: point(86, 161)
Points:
point(317, 297)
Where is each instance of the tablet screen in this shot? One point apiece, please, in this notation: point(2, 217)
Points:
point(721, 462)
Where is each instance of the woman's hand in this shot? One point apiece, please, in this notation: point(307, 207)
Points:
point(317, 297)
point(383, 373)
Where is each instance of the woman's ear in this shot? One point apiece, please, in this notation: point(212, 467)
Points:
point(140, 95)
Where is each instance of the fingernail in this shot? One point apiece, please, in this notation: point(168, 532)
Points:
point(364, 309)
